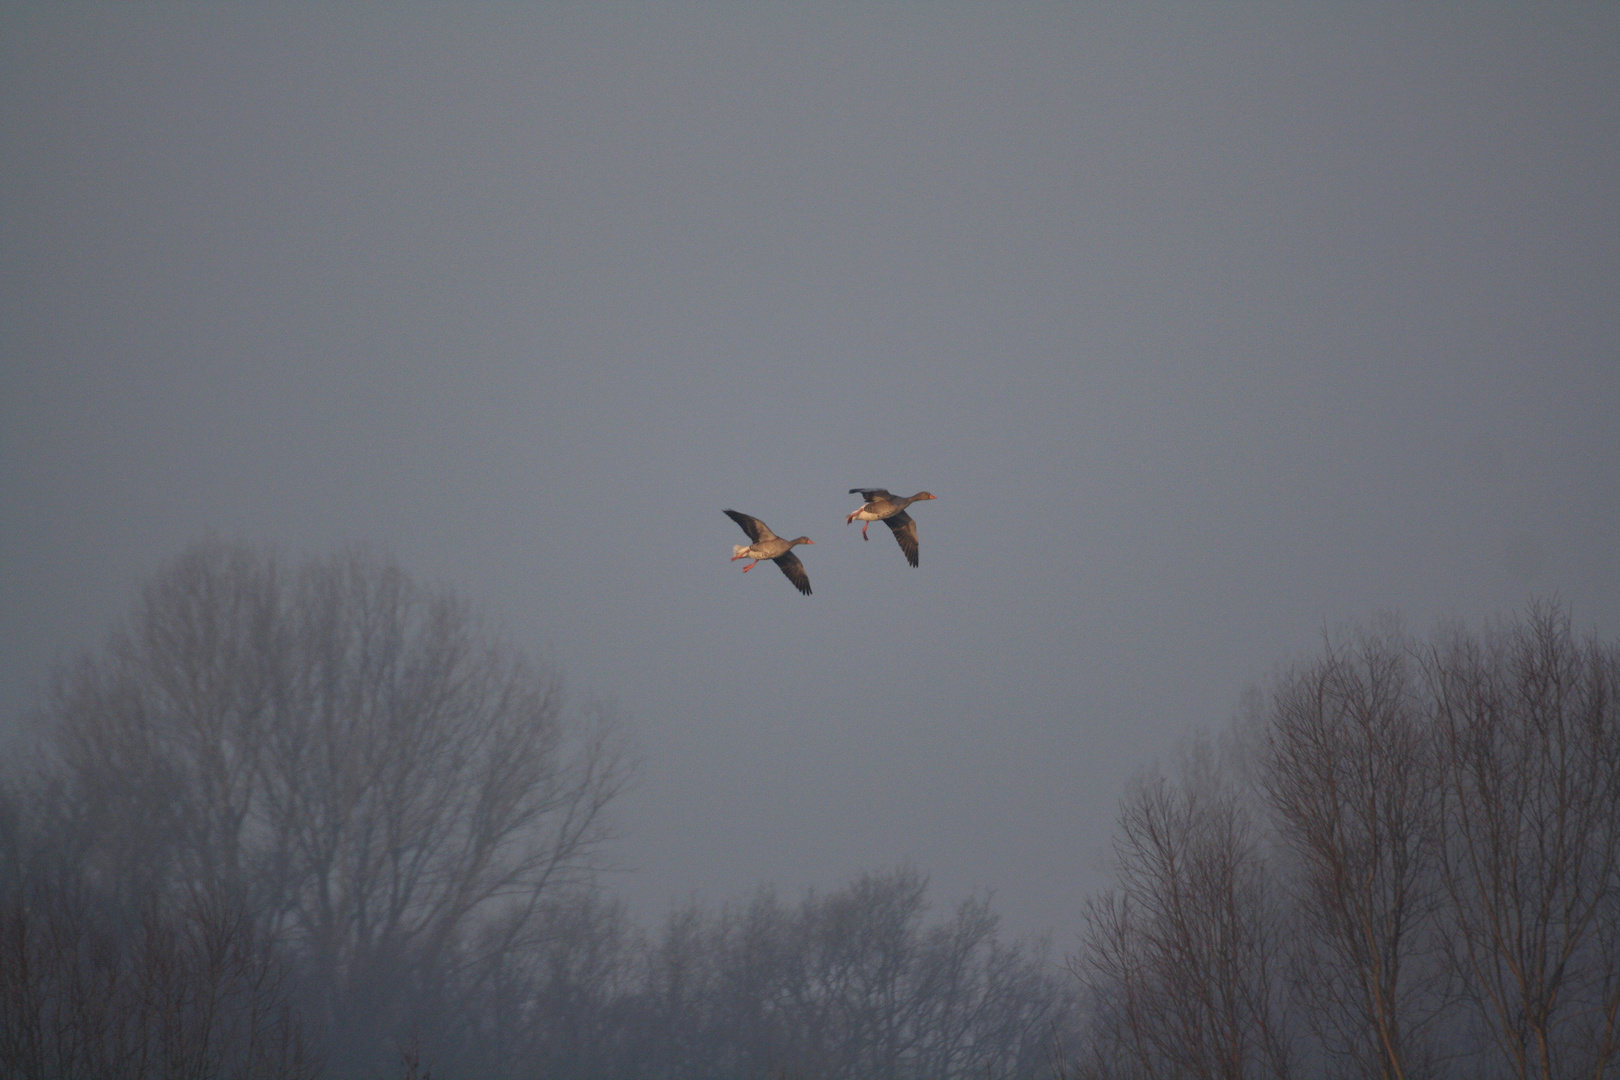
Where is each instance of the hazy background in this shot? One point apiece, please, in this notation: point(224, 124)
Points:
point(1210, 329)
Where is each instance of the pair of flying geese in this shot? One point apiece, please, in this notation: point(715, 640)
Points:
point(879, 506)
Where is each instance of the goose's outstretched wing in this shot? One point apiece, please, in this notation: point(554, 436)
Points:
point(794, 569)
point(905, 532)
point(756, 529)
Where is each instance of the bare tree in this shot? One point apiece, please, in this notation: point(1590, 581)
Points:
point(350, 756)
point(1349, 776)
point(1530, 853)
point(1444, 831)
point(1182, 960)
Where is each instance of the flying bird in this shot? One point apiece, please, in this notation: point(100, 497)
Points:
point(767, 545)
point(891, 510)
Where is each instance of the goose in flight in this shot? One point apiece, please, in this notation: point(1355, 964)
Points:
point(891, 510)
point(767, 545)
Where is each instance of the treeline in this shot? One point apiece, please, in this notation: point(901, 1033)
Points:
point(852, 983)
point(1404, 862)
point(317, 821)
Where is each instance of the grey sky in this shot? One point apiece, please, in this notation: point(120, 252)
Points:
point(1209, 328)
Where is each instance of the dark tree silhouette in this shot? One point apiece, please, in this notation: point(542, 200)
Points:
point(1349, 774)
point(1528, 722)
point(1182, 962)
point(1428, 835)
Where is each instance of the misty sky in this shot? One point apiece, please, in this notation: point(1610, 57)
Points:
point(1209, 328)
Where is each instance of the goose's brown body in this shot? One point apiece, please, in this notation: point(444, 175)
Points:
point(767, 545)
point(891, 510)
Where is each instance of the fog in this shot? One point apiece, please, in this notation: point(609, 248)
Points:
point(1210, 330)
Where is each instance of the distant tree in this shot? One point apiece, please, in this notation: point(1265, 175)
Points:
point(388, 786)
point(876, 993)
point(680, 1031)
point(844, 985)
point(559, 1000)
point(94, 986)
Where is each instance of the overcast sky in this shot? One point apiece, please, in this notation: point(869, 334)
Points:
point(1210, 327)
